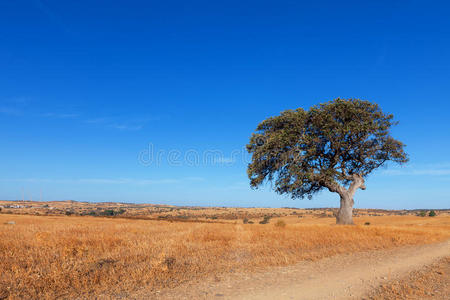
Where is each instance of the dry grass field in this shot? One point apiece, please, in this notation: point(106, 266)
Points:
point(432, 282)
point(82, 256)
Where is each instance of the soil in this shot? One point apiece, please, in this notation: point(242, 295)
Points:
point(415, 271)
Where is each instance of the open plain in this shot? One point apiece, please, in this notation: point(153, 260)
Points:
point(135, 254)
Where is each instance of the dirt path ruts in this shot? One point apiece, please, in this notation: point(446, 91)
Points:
point(350, 276)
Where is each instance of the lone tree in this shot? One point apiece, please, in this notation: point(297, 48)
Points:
point(333, 146)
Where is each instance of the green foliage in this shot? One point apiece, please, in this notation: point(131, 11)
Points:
point(108, 212)
point(303, 152)
point(432, 213)
point(112, 212)
point(422, 213)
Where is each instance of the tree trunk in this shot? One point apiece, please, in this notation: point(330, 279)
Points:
point(345, 213)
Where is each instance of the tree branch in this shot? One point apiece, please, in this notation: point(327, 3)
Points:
point(334, 187)
point(357, 183)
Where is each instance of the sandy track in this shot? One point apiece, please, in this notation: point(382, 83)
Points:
point(350, 276)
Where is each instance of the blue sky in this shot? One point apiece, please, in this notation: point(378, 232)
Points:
point(88, 89)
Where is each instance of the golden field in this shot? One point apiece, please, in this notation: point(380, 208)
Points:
point(72, 256)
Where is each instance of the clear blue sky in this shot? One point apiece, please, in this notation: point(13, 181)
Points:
point(87, 86)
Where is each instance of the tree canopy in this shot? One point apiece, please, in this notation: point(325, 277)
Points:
point(333, 145)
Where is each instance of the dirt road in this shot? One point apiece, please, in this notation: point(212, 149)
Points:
point(350, 276)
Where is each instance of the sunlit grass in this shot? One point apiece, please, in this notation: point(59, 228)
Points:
point(48, 257)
